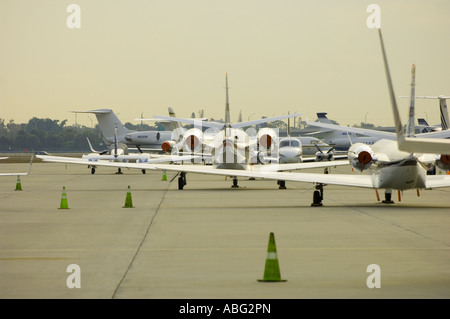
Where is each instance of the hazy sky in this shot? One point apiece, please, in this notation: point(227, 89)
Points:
point(142, 56)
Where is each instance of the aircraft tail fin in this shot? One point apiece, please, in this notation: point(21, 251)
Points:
point(174, 125)
point(397, 120)
point(422, 122)
point(322, 117)
point(108, 122)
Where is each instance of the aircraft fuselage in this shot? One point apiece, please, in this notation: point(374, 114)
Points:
point(396, 169)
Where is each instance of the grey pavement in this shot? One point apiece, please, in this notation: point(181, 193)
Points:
point(210, 240)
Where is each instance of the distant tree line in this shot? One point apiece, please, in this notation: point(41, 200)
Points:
point(56, 136)
point(52, 136)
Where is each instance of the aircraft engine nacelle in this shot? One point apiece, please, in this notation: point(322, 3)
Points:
point(321, 156)
point(168, 145)
point(443, 162)
point(360, 156)
point(122, 149)
point(143, 137)
point(266, 138)
point(193, 140)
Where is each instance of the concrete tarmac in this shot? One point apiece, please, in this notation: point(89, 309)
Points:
point(210, 240)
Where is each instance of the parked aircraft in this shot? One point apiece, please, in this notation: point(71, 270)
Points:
point(338, 136)
point(112, 128)
point(117, 155)
point(445, 122)
point(389, 168)
point(292, 149)
point(423, 124)
point(424, 127)
point(209, 142)
point(232, 150)
point(352, 134)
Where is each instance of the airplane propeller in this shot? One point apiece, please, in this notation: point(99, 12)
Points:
point(320, 155)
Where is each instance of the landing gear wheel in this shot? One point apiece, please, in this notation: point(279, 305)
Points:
point(92, 170)
point(235, 183)
point(181, 180)
point(318, 196)
point(180, 183)
point(282, 184)
point(388, 198)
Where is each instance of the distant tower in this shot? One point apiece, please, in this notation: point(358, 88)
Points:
point(227, 103)
point(410, 126)
point(240, 116)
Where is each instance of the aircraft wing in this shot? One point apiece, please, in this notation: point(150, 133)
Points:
point(264, 120)
point(254, 171)
point(424, 145)
point(20, 174)
point(435, 181)
point(317, 178)
point(106, 162)
point(297, 166)
point(314, 158)
point(357, 130)
point(193, 121)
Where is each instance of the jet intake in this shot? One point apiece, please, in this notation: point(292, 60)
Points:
point(360, 156)
point(266, 138)
point(443, 162)
point(167, 146)
point(193, 139)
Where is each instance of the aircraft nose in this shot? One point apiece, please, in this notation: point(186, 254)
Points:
point(289, 154)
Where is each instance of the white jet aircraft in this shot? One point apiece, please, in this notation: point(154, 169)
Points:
point(292, 149)
point(112, 129)
point(117, 154)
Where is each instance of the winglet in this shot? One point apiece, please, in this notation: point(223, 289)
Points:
point(31, 163)
point(20, 174)
point(397, 120)
point(90, 146)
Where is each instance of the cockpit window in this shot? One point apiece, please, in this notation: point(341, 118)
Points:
point(290, 142)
